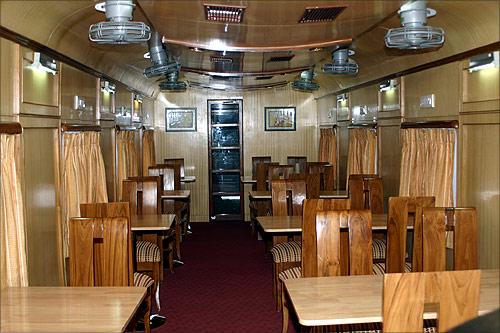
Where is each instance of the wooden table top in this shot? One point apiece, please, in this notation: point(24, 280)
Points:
point(293, 224)
point(188, 179)
point(152, 222)
point(266, 195)
point(358, 299)
point(69, 309)
point(176, 194)
point(248, 180)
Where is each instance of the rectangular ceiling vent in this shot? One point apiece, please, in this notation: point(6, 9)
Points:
point(221, 60)
point(281, 58)
point(264, 77)
point(320, 14)
point(226, 14)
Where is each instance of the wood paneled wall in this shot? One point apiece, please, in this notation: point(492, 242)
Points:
point(193, 146)
point(479, 158)
point(77, 83)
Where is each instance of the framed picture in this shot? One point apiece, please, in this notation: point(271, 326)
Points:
point(180, 119)
point(279, 118)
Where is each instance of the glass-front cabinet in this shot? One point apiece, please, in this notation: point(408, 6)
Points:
point(225, 159)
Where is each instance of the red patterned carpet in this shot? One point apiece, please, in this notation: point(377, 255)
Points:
point(224, 286)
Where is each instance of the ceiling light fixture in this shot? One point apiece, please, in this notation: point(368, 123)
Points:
point(484, 61)
point(44, 63)
point(414, 33)
point(108, 87)
point(119, 27)
point(387, 85)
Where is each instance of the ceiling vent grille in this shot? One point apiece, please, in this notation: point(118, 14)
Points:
point(222, 60)
point(320, 14)
point(226, 14)
point(281, 58)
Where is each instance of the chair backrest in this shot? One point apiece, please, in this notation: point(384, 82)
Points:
point(287, 197)
point(436, 221)
point(107, 209)
point(312, 183)
point(397, 225)
point(262, 170)
point(100, 252)
point(176, 161)
point(298, 163)
point(415, 206)
point(143, 194)
point(279, 172)
point(326, 172)
point(310, 208)
point(328, 242)
point(367, 192)
point(405, 296)
point(170, 173)
point(256, 160)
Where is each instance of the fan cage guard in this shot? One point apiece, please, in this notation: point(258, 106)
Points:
point(346, 68)
point(119, 32)
point(414, 37)
point(305, 85)
point(157, 70)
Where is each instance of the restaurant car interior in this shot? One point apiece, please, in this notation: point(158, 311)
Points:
point(234, 166)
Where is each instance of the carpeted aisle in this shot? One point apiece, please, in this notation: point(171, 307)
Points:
point(224, 286)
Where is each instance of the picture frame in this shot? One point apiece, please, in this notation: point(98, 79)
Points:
point(180, 119)
point(280, 118)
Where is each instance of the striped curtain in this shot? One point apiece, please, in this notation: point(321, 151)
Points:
point(148, 151)
point(362, 156)
point(328, 146)
point(427, 163)
point(14, 269)
point(84, 175)
point(127, 159)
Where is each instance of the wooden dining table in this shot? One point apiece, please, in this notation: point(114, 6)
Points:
point(357, 299)
point(266, 195)
point(69, 309)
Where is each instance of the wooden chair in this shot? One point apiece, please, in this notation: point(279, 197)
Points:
point(330, 249)
point(405, 295)
point(100, 254)
point(397, 230)
point(278, 172)
point(326, 172)
point(142, 193)
point(436, 221)
point(176, 161)
point(308, 266)
point(313, 183)
point(298, 163)
point(287, 197)
point(170, 177)
point(262, 171)
point(256, 160)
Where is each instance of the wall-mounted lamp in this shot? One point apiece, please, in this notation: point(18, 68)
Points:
point(387, 85)
point(108, 87)
point(484, 61)
point(342, 98)
point(79, 103)
point(42, 62)
point(138, 98)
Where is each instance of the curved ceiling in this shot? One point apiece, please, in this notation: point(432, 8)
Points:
point(268, 48)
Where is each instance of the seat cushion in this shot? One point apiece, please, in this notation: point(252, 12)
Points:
point(147, 252)
point(291, 273)
point(379, 268)
point(142, 280)
point(378, 248)
point(287, 252)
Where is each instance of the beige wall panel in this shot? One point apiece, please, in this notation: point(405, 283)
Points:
point(364, 104)
point(390, 101)
point(40, 195)
point(77, 83)
point(38, 88)
point(108, 153)
point(327, 110)
point(480, 187)
point(443, 82)
point(9, 78)
point(481, 85)
point(389, 160)
point(193, 146)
